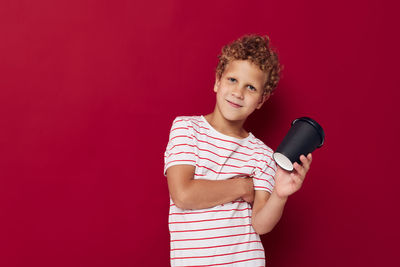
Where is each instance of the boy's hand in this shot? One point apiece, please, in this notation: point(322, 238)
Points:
point(248, 194)
point(286, 183)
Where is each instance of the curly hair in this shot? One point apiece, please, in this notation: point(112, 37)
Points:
point(257, 50)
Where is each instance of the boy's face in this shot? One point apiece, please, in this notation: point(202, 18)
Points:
point(240, 90)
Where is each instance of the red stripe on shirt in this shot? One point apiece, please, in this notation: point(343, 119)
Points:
point(172, 154)
point(216, 255)
point(181, 136)
point(179, 128)
point(222, 165)
point(237, 173)
point(213, 237)
point(269, 190)
point(200, 212)
point(191, 121)
point(209, 220)
point(225, 263)
point(226, 245)
point(210, 229)
point(183, 160)
point(263, 180)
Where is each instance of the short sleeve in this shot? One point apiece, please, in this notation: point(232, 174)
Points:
point(180, 148)
point(263, 178)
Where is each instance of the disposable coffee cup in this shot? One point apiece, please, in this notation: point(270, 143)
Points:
point(304, 136)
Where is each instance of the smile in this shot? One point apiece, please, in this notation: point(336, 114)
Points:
point(234, 104)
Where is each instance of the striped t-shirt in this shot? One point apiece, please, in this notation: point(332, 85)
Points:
point(222, 235)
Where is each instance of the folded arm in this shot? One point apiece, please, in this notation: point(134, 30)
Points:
point(189, 193)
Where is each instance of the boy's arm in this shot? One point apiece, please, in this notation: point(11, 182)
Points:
point(189, 193)
point(267, 211)
point(268, 208)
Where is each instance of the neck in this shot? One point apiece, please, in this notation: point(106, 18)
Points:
point(230, 128)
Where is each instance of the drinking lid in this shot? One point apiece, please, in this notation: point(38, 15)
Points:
point(315, 125)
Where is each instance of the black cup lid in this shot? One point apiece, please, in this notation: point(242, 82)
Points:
point(315, 125)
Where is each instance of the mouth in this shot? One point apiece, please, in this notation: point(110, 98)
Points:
point(234, 104)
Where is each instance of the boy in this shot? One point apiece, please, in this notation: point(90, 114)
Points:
point(225, 188)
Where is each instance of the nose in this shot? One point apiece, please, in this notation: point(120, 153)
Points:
point(237, 92)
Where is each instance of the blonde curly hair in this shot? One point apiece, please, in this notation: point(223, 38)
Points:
point(257, 50)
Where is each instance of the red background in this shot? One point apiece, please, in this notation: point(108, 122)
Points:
point(88, 92)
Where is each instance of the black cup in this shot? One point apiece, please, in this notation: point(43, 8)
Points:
point(304, 137)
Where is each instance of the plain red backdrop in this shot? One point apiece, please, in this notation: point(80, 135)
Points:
point(88, 92)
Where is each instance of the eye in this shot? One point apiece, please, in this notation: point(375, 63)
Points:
point(231, 79)
point(251, 87)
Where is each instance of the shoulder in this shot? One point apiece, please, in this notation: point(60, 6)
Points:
point(263, 154)
point(187, 120)
point(195, 123)
point(260, 147)
point(190, 124)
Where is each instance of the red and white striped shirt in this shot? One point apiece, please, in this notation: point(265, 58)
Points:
point(222, 235)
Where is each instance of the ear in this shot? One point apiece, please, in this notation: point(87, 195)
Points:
point(217, 83)
point(264, 98)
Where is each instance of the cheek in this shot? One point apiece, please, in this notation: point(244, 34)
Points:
point(220, 94)
point(255, 101)
point(223, 90)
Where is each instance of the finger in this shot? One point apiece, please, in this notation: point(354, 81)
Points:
point(299, 169)
point(309, 157)
point(306, 162)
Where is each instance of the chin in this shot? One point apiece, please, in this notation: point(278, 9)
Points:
point(233, 118)
point(232, 115)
